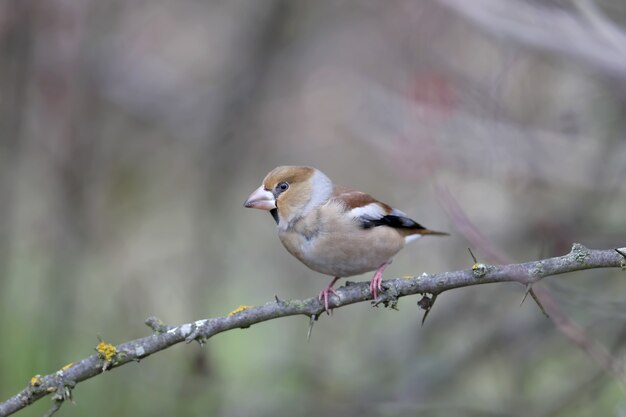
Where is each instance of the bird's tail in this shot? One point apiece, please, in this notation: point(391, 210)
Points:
point(431, 232)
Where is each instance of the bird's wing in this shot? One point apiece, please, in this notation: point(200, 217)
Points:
point(372, 213)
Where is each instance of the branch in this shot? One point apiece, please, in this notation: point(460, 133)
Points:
point(108, 357)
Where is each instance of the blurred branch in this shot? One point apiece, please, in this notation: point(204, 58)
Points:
point(108, 357)
point(590, 39)
point(546, 302)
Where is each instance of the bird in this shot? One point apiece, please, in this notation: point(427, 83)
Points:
point(332, 229)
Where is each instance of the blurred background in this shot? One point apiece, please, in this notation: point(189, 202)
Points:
point(132, 131)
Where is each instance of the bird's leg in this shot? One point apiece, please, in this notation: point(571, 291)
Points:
point(325, 291)
point(375, 283)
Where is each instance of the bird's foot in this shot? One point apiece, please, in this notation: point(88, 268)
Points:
point(324, 294)
point(375, 283)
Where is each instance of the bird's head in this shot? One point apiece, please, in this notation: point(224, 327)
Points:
point(290, 191)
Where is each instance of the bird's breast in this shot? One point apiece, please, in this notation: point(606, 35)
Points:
point(337, 246)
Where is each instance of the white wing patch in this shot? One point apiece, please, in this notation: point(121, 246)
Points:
point(412, 238)
point(396, 212)
point(371, 211)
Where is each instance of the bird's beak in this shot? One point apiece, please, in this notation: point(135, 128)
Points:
point(261, 199)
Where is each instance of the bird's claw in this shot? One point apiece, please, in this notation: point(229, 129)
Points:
point(376, 285)
point(324, 297)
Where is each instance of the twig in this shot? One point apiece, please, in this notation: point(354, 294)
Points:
point(110, 357)
point(56, 406)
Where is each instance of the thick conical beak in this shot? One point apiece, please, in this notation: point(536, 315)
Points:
point(261, 199)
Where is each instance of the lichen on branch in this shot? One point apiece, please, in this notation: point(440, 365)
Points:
point(109, 356)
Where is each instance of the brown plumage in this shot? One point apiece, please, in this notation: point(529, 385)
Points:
point(332, 229)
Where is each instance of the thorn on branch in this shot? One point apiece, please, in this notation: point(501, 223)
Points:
point(312, 319)
point(472, 255)
point(529, 290)
point(426, 303)
point(534, 296)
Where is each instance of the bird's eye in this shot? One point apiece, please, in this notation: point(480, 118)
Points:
point(282, 186)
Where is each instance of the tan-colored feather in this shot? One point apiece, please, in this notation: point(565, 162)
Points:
point(353, 199)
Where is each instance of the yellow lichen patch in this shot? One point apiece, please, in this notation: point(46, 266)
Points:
point(68, 366)
point(479, 270)
point(36, 380)
point(107, 351)
point(239, 310)
point(408, 277)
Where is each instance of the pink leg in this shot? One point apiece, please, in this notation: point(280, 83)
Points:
point(325, 291)
point(375, 283)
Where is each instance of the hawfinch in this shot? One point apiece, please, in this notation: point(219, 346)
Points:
point(331, 229)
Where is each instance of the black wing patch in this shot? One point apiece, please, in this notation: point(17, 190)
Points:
point(390, 220)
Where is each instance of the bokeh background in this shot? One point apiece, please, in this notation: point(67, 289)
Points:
point(132, 131)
